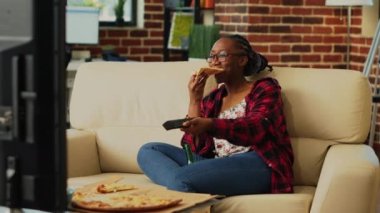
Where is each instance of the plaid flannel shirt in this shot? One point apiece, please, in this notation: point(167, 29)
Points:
point(263, 129)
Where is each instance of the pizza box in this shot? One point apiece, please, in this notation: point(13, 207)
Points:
point(190, 201)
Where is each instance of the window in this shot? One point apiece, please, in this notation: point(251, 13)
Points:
point(107, 15)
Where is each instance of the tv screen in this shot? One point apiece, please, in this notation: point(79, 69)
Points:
point(32, 105)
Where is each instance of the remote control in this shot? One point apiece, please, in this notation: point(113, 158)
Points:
point(174, 124)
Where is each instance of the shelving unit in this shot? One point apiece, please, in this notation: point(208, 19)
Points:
point(168, 12)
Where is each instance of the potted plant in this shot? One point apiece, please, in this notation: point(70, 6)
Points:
point(119, 12)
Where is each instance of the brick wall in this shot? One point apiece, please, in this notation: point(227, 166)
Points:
point(135, 43)
point(297, 33)
point(302, 33)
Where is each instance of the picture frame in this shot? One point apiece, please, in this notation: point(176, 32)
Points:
point(180, 30)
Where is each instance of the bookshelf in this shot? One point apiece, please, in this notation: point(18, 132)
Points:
point(168, 14)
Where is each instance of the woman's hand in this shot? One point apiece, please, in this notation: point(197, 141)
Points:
point(196, 87)
point(197, 125)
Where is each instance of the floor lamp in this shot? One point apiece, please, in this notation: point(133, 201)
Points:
point(349, 4)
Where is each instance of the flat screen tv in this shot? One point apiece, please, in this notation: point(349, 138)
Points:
point(32, 105)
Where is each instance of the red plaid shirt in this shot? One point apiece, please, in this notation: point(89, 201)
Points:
point(263, 129)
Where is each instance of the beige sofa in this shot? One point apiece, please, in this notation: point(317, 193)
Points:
point(117, 107)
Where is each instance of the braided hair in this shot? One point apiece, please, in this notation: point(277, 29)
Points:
point(256, 62)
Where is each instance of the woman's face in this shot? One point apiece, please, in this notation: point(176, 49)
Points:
point(225, 54)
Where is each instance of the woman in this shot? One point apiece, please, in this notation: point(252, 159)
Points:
point(238, 132)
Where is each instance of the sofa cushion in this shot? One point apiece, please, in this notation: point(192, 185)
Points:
point(82, 153)
point(349, 180)
point(118, 145)
point(298, 202)
point(325, 104)
point(309, 155)
point(130, 94)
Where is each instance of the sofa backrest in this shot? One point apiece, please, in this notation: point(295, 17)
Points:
point(125, 104)
point(328, 104)
point(322, 107)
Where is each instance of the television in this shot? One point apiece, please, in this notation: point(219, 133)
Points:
point(32, 105)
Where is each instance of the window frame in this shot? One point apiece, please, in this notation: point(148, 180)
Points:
point(132, 22)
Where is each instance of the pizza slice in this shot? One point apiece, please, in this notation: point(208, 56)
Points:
point(113, 187)
point(121, 202)
point(210, 70)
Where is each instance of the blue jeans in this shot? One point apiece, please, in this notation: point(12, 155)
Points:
point(166, 165)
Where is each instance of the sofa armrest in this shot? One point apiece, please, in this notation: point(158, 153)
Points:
point(349, 180)
point(82, 153)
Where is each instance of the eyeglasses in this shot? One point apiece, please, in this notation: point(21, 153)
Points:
point(221, 56)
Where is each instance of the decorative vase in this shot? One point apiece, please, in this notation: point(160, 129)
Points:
point(119, 22)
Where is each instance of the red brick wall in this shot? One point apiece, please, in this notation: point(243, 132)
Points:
point(302, 33)
point(298, 33)
point(136, 44)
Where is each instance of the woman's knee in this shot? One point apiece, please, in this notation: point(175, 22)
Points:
point(150, 145)
point(144, 151)
point(180, 183)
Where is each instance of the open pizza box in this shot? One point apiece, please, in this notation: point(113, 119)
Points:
point(190, 202)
